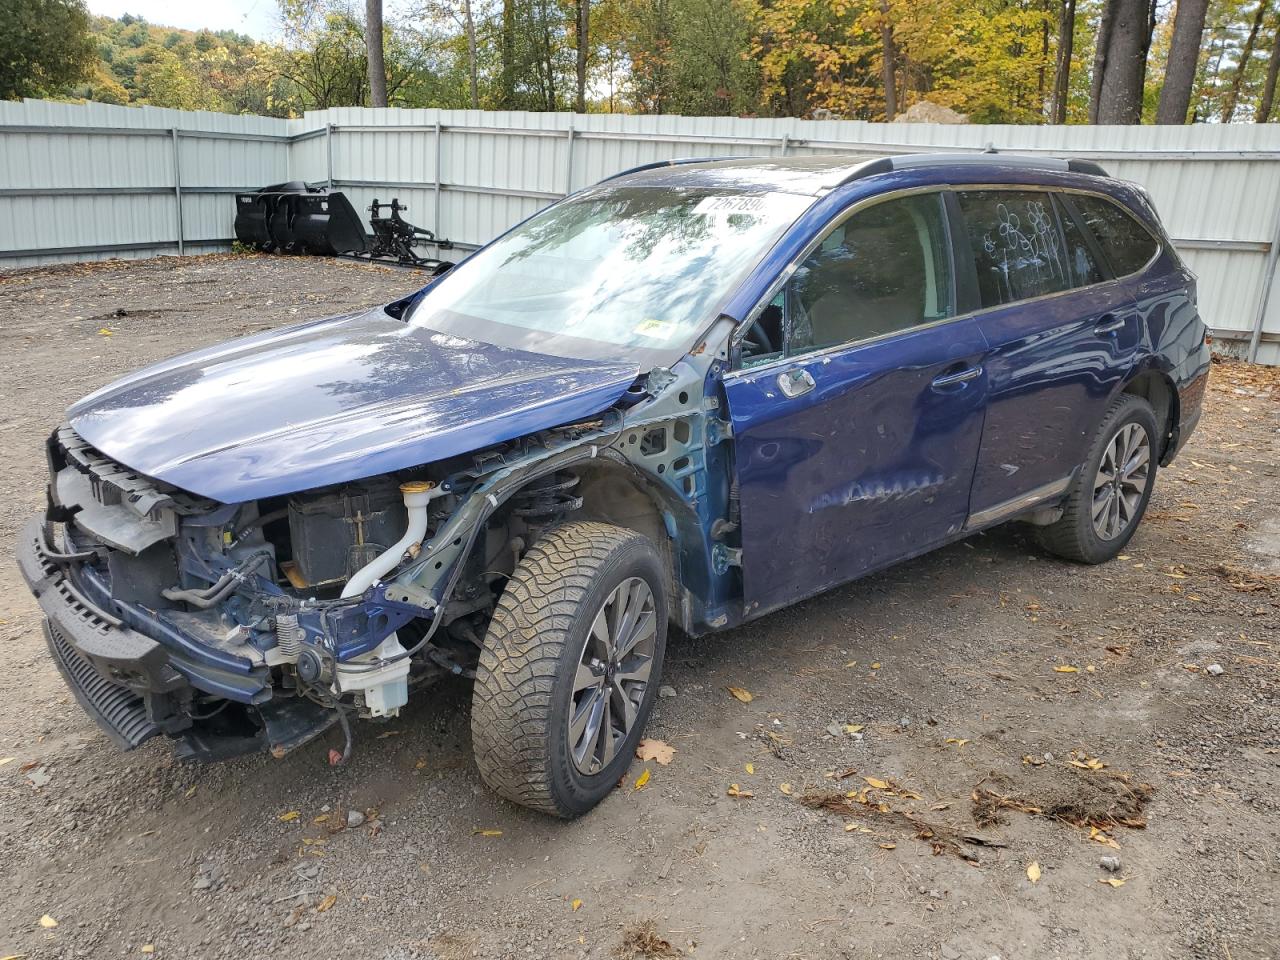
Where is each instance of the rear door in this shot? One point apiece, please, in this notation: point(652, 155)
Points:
point(856, 446)
point(1062, 337)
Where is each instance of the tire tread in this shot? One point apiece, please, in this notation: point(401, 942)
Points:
point(516, 673)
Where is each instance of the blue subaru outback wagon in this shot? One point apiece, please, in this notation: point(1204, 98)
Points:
point(691, 394)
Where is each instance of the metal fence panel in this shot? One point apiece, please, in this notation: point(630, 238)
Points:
point(89, 181)
point(470, 174)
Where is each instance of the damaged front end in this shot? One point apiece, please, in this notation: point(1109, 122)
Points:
point(236, 628)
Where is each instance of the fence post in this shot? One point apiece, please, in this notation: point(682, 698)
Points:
point(177, 189)
point(786, 143)
point(1268, 280)
point(328, 154)
point(439, 178)
point(568, 164)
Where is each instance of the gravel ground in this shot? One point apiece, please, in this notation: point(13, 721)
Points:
point(922, 685)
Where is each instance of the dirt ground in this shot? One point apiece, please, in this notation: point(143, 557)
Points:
point(910, 690)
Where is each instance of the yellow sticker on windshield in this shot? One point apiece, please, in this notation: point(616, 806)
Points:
point(656, 329)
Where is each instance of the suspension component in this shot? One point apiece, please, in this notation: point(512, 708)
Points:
point(548, 498)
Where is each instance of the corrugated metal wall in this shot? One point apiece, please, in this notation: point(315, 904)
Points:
point(88, 181)
point(468, 175)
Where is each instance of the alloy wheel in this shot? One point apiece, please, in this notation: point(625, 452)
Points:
point(612, 675)
point(1121, 481)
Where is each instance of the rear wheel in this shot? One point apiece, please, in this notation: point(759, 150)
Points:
point(570, 667)
point(1109, 496)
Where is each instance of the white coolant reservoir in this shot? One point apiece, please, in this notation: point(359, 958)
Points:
point(385, 689)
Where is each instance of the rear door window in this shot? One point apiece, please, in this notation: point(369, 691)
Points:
point(1126, 243)
point(1082, 262)
point(1017, 246)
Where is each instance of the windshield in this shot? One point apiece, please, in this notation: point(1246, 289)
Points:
point(617, 271)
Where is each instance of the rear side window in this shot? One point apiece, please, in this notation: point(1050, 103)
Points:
point(1124, 241)
point(1082, 264)
point(1016, 244)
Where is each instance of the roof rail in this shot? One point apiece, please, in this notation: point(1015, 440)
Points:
point(677, 162)
point(987, 157)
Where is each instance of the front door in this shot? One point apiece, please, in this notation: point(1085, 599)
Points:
point(855, 443)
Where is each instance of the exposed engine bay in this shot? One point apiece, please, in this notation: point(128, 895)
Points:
point(240, 627)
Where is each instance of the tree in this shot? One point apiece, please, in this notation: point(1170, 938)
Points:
point(1062, 63)
point(45, 47)
point(1180, 67)
point(373, 46)
point(582, 46)
point(888, 54)
point(1267, 100)
point(325, 61)
point(1242, 65)
point(1120, 61)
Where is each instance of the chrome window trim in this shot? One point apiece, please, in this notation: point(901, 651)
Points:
point(772, 291)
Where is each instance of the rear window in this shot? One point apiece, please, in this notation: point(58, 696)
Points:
point(1125, 242)
point(1017, 247)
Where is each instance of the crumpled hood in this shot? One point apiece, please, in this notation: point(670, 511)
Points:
point(331, 401)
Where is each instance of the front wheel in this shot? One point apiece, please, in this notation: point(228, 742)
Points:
point(570, 667)
point(1109, 496)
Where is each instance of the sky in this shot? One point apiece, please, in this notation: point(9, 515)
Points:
point(257, 18)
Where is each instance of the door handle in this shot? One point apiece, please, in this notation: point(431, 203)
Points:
point(1108, 324)
point(795, 383)
point(960, 376)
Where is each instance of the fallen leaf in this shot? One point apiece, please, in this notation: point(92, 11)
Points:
point(4, 760)
point(877, 783)
point(1033, 872)
point(1063, 668)
point(48, 922)
point(875, 666)
point(785, 788)
point(486, 833)
point(736, 791)
point(958, 741)
point(888, 846)
point(422, 762)
point(940, 805)
point(326, 903)
point(657, 750)
point(850, 827)
point(289, 817)
point(740, 694)
point(148, 948)
point(642, 779)
point(1114, 881)
point(851, 663)
point(750, 768)
point(323, 818)
point(576, 904)
point(388, 733)
point(104, 332)
point(191, 793)
point(853, 728)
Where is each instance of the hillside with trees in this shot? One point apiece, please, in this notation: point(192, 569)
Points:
point(995, 61)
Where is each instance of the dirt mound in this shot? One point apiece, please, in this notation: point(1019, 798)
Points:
point(641, 942)
point(1063, 792)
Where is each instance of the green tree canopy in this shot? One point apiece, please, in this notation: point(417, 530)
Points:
point(45, 47)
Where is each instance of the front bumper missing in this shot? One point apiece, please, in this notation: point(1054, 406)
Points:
point(136, 686)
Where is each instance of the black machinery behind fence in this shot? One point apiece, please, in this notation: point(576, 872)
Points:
point(295, 218)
